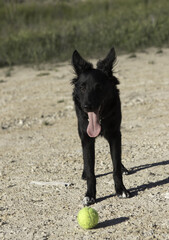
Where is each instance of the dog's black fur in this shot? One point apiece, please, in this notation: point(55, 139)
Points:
point(95, 92)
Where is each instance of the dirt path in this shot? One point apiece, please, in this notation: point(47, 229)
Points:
point(39, 143)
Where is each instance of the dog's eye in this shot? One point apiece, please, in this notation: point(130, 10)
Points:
point(98, 87)
point(83, 88)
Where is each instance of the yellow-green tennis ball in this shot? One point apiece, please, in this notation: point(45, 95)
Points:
point(87, 218)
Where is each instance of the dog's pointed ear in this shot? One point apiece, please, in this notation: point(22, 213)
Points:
point(106, 65)
point(80, 65)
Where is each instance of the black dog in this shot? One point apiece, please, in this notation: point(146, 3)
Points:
point(98, 110)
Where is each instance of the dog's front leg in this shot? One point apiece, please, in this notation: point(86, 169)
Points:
point(88, 171)
point(115, 150)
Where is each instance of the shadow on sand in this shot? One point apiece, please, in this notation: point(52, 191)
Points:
point(138, 168)
point(134, 191)
point(111, 222)
point(145, 166)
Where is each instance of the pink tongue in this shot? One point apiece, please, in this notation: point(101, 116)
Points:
point(94, 127)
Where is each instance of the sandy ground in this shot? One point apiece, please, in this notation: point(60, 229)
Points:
point(39, 144)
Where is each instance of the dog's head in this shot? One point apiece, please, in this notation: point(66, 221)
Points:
point(93, 86)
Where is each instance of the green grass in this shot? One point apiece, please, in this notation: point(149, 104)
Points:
point(35, 32)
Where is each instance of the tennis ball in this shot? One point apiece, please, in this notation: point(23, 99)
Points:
point(87, 218)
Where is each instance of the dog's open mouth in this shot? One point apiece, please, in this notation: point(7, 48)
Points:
point(94, 127)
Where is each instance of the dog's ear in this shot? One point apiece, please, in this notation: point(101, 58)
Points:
point(80, 65)
point(106, 64)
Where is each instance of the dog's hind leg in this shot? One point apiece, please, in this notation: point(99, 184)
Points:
point(84, 175)
point(115, 149)
point(124, 170)
point(88, 172)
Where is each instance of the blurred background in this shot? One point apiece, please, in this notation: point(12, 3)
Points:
point(49, 30)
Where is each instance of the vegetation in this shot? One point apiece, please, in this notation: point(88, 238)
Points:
point(38, 31)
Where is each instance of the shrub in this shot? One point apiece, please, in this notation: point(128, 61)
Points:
point(34, 32)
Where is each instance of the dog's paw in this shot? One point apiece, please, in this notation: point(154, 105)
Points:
point(88, 201)
point(123, 193)
point(124, 170)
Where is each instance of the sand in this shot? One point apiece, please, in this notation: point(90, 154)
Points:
point(41, 190)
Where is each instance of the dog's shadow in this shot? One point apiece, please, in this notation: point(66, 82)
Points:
point(145, 166)
point(134, 191)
